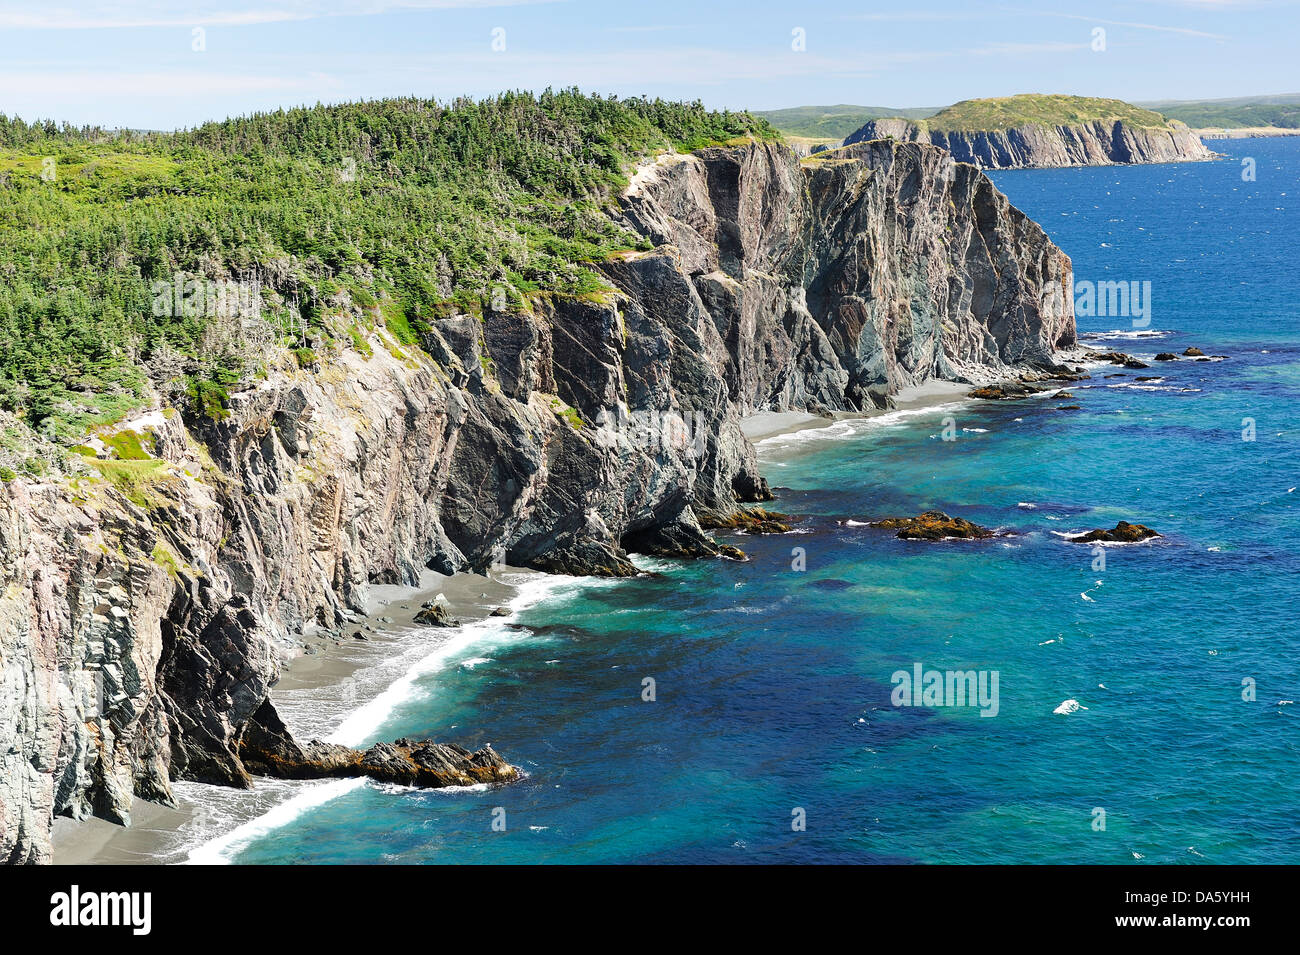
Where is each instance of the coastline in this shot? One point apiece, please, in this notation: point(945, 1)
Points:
point(763, 425)
point(1245, 132)
point(341, 688)
point(336, 685)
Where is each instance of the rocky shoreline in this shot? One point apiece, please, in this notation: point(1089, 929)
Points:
point(327, 670)
point(268, 749)
point(146, 616)
point(475, 597)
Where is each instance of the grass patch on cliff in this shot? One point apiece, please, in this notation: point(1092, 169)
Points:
point(126, 445)
point(567, 413)
point(137, 481)
point(165, 559)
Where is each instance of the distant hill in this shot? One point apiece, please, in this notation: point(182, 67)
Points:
point(833, 122)
point(1009, 112)
point(1282, 111)
point(1044, 130)
point(837, 122)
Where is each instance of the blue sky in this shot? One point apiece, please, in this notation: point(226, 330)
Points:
point(135, 63)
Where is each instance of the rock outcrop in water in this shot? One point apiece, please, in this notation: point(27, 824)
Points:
point(144, 612)
point(1121, 533)
point(934, 526)
point(268, 749)
point(1100, 143)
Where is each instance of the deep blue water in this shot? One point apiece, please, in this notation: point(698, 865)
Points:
point(773, 685)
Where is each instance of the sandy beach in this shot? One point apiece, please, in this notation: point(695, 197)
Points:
point(326, 666)
point(770, 424)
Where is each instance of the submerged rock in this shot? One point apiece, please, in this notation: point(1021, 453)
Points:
point(1166, 356)
point(934, 526)
point(830, 583)
point(1122, 533)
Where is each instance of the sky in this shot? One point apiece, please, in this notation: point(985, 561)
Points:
point(149, 64)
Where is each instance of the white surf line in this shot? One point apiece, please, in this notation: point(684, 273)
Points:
point(846, 428)
point(218, 851)
point(360, 725)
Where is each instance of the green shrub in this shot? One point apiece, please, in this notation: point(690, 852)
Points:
point(210, 398)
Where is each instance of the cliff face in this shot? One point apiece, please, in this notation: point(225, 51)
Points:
point(143, 621)
point(838, 281)
point(1101, 143)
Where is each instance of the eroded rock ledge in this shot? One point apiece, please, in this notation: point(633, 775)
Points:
point(268, 749)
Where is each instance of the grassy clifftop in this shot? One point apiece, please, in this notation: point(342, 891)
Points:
point(972, 115)
point(397, 211)
point(975, 115)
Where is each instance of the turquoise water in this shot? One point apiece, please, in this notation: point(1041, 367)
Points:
point(773, 685)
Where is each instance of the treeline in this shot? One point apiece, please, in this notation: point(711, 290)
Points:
point(415, 206)
point(15, 132)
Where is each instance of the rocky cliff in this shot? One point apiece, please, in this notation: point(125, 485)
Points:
point(1099, 143)
point(146, 605)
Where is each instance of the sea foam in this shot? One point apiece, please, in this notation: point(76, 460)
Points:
point(359, 726)
point(219, 851)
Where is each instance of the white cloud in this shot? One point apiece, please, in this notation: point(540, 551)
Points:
point(1016, 49)
point(1185, 31)
point(916, 17)
point(107, 14)
point(161, 85)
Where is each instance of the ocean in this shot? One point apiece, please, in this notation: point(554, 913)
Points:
point(1143, 710)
